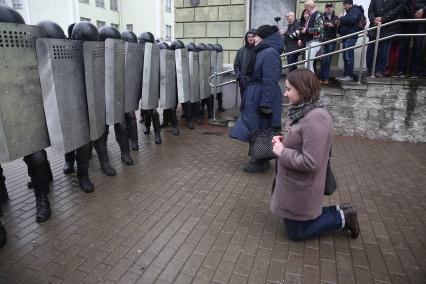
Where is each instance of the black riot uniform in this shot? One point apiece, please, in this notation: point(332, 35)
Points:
point(120, 128)
point(4, 197)
point(194, 108)
point(130, 117)
point(82, 154)
point(150, 114)
point(169, 115)
point(186, 107)
point(207, 101)
point(37, 163)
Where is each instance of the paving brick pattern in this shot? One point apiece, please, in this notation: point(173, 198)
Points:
point(187, 213)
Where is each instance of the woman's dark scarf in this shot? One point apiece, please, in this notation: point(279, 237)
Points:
point(296, 112)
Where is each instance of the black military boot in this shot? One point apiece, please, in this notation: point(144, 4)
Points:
point(39, 172)
point(187, 110)
point(209, 103)
point(175, 124)
point(83, 157)
point(132, 130)
point(3, 236)
point(196, 113)
point(147, 121)
point(122, 140)
point(220, 102)
point(142, 119)
point(4, 196)
point(101, 150)
point(69, 162)
point(157, 128)
point(166, 118)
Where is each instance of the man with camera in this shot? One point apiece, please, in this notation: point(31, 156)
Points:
point(291, 36)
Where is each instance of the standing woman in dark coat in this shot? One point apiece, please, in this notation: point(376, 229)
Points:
point(262, 101)
point(244, 61)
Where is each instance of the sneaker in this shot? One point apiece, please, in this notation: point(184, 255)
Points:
point(347, 78)
point(379, 75)
point(351, 222)
point(400, 74)
point(414, 76)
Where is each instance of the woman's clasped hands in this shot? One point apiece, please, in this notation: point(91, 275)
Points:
point(277, 145)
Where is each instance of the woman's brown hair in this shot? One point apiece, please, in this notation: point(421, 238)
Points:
point(306, 84)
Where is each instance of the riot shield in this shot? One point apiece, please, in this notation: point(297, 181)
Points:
point(94, 69)
point(61, 72)
point(151, 77)
point(213, 58)
point(194, 79)
point(182, 75)
point(204, 70)
point(114, 80)
point(167, 79)
point(219, 69)
point(23, 128)
point(133, 76)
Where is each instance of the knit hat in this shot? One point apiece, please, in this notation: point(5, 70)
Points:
point(350, 2)
point(266, 30)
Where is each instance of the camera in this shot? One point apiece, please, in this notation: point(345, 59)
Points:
point(296, 34)
point(277, 19)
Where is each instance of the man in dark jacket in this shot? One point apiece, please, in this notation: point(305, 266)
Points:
point(290, 39)
point(382, 11)
point(244, 61)
point(349, 23)
point(331, 21)
point(414, 9)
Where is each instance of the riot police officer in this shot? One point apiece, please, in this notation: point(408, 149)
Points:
point(82, 154)
point(208, 101)
point(130, 117)
point(37, 163)
point(120, 129)
point(150, 114)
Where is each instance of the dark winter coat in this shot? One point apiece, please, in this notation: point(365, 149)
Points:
point(262, 91)
point(291, 44)
point(412, 6)
point(315, 27)
point(349, 23)
point(244, 58)
point(389, 10)
point(329, 33)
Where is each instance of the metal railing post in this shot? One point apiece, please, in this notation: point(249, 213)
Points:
point(215, 88)
point(308, 62)
point(376, 47)
point(364, 41)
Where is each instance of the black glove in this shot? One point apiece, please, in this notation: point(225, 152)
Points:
point(265, 110)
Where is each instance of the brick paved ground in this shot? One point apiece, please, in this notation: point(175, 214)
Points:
point(187, 213)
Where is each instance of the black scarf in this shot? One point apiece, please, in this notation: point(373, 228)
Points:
point(296, 112)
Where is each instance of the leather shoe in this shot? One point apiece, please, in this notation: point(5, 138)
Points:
point(351, 222)
point(126, 159)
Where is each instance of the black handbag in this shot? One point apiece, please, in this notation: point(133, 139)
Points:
point(330, 180)
point(261, 144)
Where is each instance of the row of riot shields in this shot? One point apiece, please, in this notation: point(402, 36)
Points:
point(63, 93)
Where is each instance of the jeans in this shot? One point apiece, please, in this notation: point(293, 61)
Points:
point(313, 53)
point(382, 56)
point(348, 56)
point(326, 61)
point(417, 65)
point(330, 220)
point(292, 58)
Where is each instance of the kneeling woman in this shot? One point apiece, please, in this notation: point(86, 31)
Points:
point(302, 157)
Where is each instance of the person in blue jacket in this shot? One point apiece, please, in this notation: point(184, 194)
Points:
point(349, 24)
point(262, 101)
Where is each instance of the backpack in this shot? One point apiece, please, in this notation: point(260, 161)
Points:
point(362, 22)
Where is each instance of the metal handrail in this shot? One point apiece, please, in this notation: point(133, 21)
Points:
point(363, 45)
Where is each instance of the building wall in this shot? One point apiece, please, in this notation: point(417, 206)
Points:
point(62, 12)
point(90, 11)
point(212, 21)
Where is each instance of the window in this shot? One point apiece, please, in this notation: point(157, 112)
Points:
point(129, 27)
point(114, 5)
point(115, 26)
point(84, 19)
point(84, 1)
point(17, 4)
point(168, 6)
point(168, 36)
point(100, 24)
point(100, 3)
